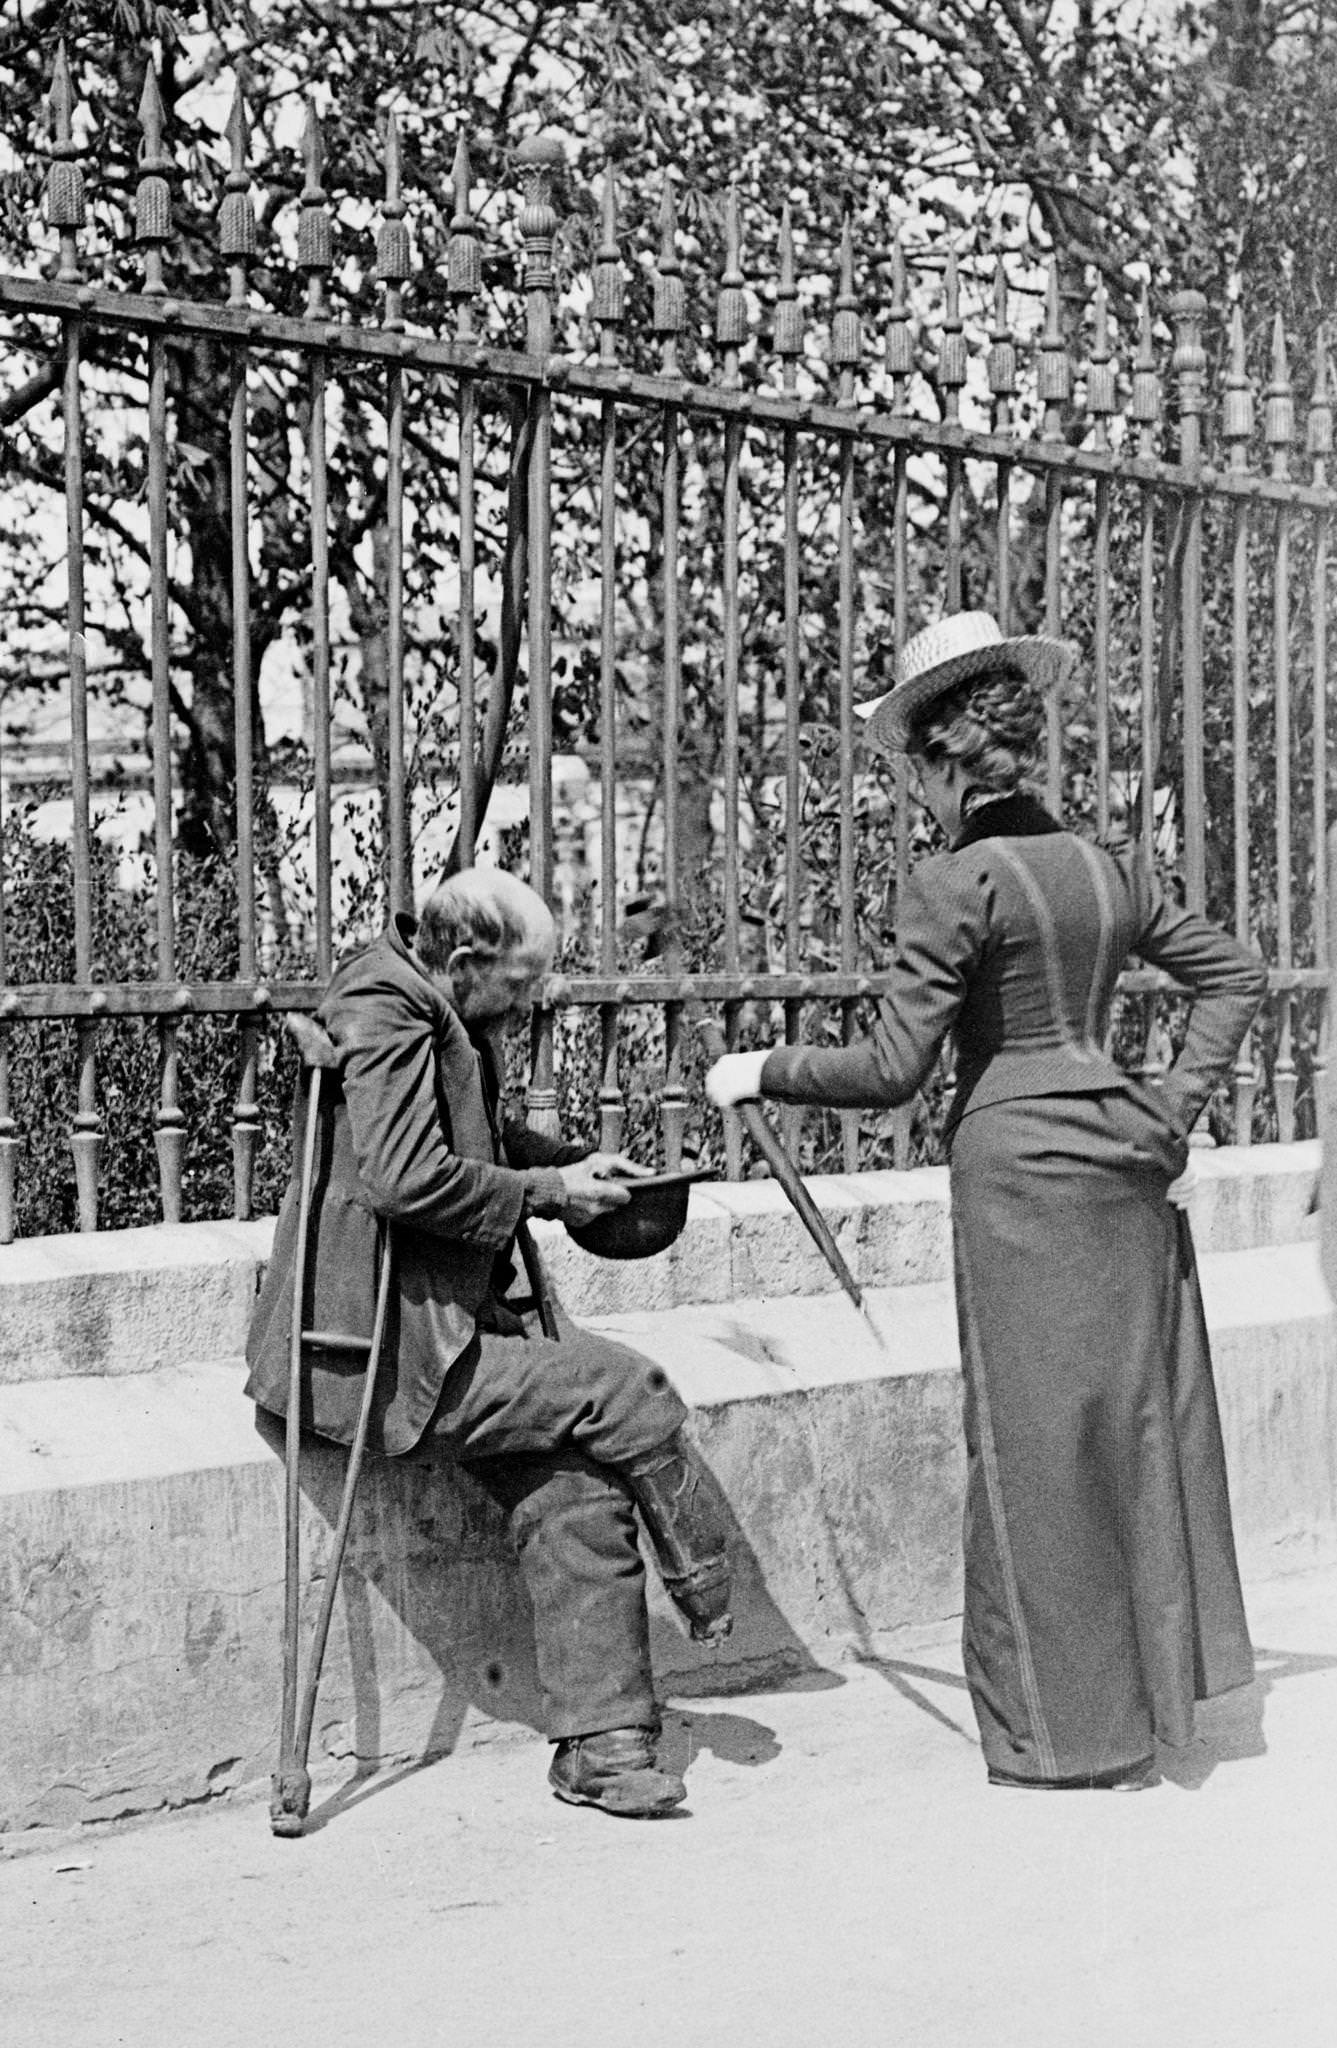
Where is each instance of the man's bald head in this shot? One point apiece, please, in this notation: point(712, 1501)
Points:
point(487, 941)
point(490, 912)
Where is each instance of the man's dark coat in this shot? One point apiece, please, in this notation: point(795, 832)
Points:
point(409, 1138)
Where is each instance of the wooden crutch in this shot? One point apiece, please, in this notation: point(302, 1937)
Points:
point(290, 1787)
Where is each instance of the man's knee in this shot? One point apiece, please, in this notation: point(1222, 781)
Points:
point(624, 1382)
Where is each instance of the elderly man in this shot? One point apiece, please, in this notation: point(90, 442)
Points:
point(567, 1434)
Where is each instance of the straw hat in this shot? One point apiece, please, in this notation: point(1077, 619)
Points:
point(936, 660)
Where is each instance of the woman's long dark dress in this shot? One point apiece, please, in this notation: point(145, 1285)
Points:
point(1101, 1589)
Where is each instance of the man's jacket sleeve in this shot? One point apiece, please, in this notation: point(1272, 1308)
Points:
point(526, 1147)
point(386, 1031)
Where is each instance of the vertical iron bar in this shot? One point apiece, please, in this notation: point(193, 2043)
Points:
point(1003, 386)
point(465, 277)
point(789, 348)
point(1189, 309)
point(237, 247)
point(730, 330)
point(951, 378)
point(1327, 1105)
point(66, 212)
point(1100, 402)
point(393, 266)
point(846, 353)
point(668, 320)
point(1145, 409)
point(1237, 427)
point(1319, 445)
point(539, 158)
point(1279, 415)
point(9, 1137)
point(900, 358)
point(609, 301)
point(1055, 391)
point(315, 257)
point(153, 229)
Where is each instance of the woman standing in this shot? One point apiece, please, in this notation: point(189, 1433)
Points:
point(1102, 1595)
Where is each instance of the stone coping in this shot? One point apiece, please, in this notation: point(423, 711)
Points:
point(141, 1536)
point(132, 1301)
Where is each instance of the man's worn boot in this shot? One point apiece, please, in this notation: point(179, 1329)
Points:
point(687, 1543)
point(615, 1770)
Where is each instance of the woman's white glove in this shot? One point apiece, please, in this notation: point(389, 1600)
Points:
point(1180, 1191)
point(735, 1077)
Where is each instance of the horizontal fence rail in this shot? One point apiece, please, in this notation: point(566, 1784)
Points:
point(680, 568)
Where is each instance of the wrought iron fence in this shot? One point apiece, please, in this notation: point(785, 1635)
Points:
point(794, 514)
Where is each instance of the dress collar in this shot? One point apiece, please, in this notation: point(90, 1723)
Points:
point(1020, 816)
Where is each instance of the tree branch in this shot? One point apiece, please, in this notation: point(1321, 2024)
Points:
point(30, 394)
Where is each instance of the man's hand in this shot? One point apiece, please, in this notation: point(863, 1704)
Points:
point(616, 1166)
point(1180, 1191)
point(589, 1191)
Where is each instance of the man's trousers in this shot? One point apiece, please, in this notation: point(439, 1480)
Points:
point(545, 1427)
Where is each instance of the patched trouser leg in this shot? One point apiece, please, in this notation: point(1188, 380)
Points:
point(575, 1538)
point(508, 1396)
point(548, 1426)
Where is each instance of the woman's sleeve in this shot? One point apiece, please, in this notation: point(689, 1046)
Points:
point(1227, 983)
point(940, 932)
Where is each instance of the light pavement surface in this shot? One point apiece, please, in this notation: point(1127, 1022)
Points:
point(842, 1875)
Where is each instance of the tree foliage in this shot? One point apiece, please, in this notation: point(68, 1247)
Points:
point(1134, 145)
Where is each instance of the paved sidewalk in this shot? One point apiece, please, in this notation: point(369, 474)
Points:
point(843, 1875)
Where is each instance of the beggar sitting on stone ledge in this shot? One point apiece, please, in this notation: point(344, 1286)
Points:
point(570, 1435)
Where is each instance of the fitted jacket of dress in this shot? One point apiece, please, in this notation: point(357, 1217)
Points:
point(1013, 941)
point(409, 1141)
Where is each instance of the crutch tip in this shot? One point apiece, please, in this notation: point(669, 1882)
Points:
point(289, 1799)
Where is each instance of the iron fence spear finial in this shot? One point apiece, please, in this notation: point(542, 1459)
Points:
point(788, 333)
point(153, 193)
point(731, 305)
point(394, 254)
point(1318, 431)
point(236, 216)
point(609, 283)
point(1144, 404)
point(846, 326)
point(65, 203)
point(1279, 402)
point(464, 269)
point(669, 296)
point(1054, 368)
point(1100, 372)
point(900, 336)
point(315, 253)
point(952, 351)
point(1237, 411)
point(1002, 351)
point(539, 157)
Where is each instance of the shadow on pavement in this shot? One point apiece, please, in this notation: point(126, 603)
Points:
point(734, 1738)
point(436, 1627)
point(1229, 1729)
point(900, 1675)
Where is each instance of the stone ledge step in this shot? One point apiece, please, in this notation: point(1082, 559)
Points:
point(119, 1302)
point(141, 1536)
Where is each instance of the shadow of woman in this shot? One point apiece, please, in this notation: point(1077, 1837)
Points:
point(1229, 1728)
point(433, 1625)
